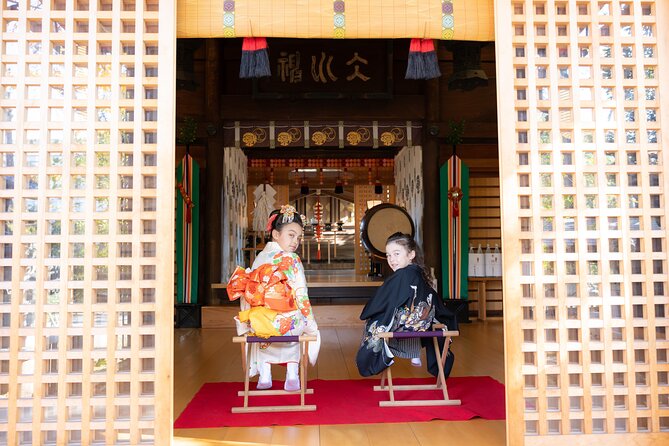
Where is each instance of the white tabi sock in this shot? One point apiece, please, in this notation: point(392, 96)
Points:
point(292, 377)
point(265, 378)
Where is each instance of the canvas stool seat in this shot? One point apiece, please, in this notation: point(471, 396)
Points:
point(438, 332)
point(246, 393)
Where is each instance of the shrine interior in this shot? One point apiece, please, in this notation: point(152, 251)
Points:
point(325, 133)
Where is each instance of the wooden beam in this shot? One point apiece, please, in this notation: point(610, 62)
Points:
point(213, 175)
point(403, 107)
point(431, 227)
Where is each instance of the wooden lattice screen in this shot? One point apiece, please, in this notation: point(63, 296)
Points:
point(86, 221)
point(582, 100)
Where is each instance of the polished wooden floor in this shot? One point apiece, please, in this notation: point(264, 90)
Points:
point(208, 355)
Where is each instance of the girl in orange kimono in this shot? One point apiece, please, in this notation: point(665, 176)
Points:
point(275, 301)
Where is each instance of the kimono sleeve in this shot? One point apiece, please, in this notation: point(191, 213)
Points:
point(292, 267)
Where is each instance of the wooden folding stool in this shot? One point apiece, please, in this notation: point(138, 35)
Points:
point(441, 380)
point(246, 393)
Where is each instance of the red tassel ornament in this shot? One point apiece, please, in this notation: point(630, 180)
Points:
point(422, 62)
point(255, 59)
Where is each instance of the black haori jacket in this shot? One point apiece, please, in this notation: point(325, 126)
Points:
point(405, 302)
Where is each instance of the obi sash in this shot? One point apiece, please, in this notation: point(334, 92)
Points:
point(265, 286)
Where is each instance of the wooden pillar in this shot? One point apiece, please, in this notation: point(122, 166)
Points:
point(214, 178)
point(431, 226)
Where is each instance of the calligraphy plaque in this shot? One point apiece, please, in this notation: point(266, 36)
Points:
point(327, 69)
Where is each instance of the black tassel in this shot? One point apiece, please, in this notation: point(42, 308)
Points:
point(431, 65)
point(414, 61)
point(248, 48)
point(430, 59)
point(261, 67)
point(423, 62)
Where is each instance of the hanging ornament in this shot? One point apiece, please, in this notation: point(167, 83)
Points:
point(318, 215)
point(422, 62)
point(378, 187)
point(454, 196)
point(255, 59)
point(339, 187)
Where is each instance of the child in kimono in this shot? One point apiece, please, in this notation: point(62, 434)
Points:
point(405, 302)
point(275, 301)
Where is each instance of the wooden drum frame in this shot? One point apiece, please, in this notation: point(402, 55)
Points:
point(382, 221)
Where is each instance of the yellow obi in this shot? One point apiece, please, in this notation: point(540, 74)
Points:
point(261, 319)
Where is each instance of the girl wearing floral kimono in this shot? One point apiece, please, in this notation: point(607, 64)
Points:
point(275, 301)
point(405, 302)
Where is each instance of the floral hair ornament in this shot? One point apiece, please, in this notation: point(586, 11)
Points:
point(288, 213)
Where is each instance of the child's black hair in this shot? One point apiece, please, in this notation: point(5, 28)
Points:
point(277, 219)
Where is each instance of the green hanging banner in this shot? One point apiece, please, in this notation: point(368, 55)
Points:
point(187, 229)
point(454, 217)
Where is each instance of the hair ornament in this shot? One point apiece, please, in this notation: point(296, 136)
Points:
point(270, 221)
point(288, 213)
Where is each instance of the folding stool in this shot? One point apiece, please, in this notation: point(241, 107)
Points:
point(440, 384)
point(246, 393)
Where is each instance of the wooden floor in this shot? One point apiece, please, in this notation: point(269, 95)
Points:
point(208, 355)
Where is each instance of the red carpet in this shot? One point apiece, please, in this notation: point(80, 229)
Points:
point(345, 402)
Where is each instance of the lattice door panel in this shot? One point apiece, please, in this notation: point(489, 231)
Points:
point(584, 218)
point(86, 221)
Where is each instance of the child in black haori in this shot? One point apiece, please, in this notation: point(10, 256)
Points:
point(405, 302)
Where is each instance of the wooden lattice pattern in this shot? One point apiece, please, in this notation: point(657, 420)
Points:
point(87, 221)
point(584, 218)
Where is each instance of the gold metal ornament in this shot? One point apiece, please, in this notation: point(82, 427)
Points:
point(353, 138)
point(284, 138)
point(387, 138)
point(364, 134)
point(250, 139)
point(260, 133)
point(329, 133)
point(318, 138)
point(455, 194)
point(398, 132)
point(295, 133)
